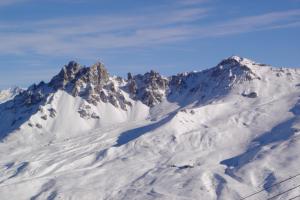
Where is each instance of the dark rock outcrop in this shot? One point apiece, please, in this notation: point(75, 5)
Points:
point(149, 88)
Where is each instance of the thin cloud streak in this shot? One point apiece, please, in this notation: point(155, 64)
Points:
point(72, 35)
point(86, 36)
point(268, 21)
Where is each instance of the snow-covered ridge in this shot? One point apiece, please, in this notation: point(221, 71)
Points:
point(95, 88)
point(95, 84)
point(217, 133)
point(9, 93)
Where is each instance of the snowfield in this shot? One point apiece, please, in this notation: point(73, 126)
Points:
point(223, 133)
point(6, 95)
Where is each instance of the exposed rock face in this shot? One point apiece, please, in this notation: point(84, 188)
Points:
point(150, 88)
point(86, 112)
point(44, 117)
point(38, 125)
point(95, 85)
point(129, 76)
point(237, 69)
point(132, 87)
point(67, 74)
point(92, 83)
point(34, 95)
point(178, 83)
point(215, 82)
point(52, 112)
point(250, 95)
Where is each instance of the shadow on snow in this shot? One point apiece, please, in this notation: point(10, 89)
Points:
point(281, 132)
point(133, 134)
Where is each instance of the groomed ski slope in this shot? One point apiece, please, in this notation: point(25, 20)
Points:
point(227, 148)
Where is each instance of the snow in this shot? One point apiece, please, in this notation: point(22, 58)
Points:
point(224, 147)
point(8, 94)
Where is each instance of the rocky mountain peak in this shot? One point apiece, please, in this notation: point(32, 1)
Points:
point(236, 69)
point(237, 61)
point(234, 61)
point(150, 88)
point(231, 61)
point(129, 76)
point(72, 68)
point(66, 74)
point(95, 85)
point(98, 73)
point(74, 73)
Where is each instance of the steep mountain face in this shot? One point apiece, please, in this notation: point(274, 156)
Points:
point(216, 133)
point(150, 88)
point(94, 86)
point(9, 94)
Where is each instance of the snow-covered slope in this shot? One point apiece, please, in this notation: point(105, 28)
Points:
point(9, 94)
point(222, 133)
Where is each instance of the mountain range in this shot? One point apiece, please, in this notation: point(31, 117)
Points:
point(228, 132)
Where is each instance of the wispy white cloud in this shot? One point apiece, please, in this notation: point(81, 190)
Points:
point(92, 33)
point(86, 36)
point(267, 21)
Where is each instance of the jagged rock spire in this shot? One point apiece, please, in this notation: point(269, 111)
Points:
point(67, 73)
point(150, 88)
point(98, 74)
point(72, 69)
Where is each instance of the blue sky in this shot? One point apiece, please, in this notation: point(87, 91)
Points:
point(38, 37)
